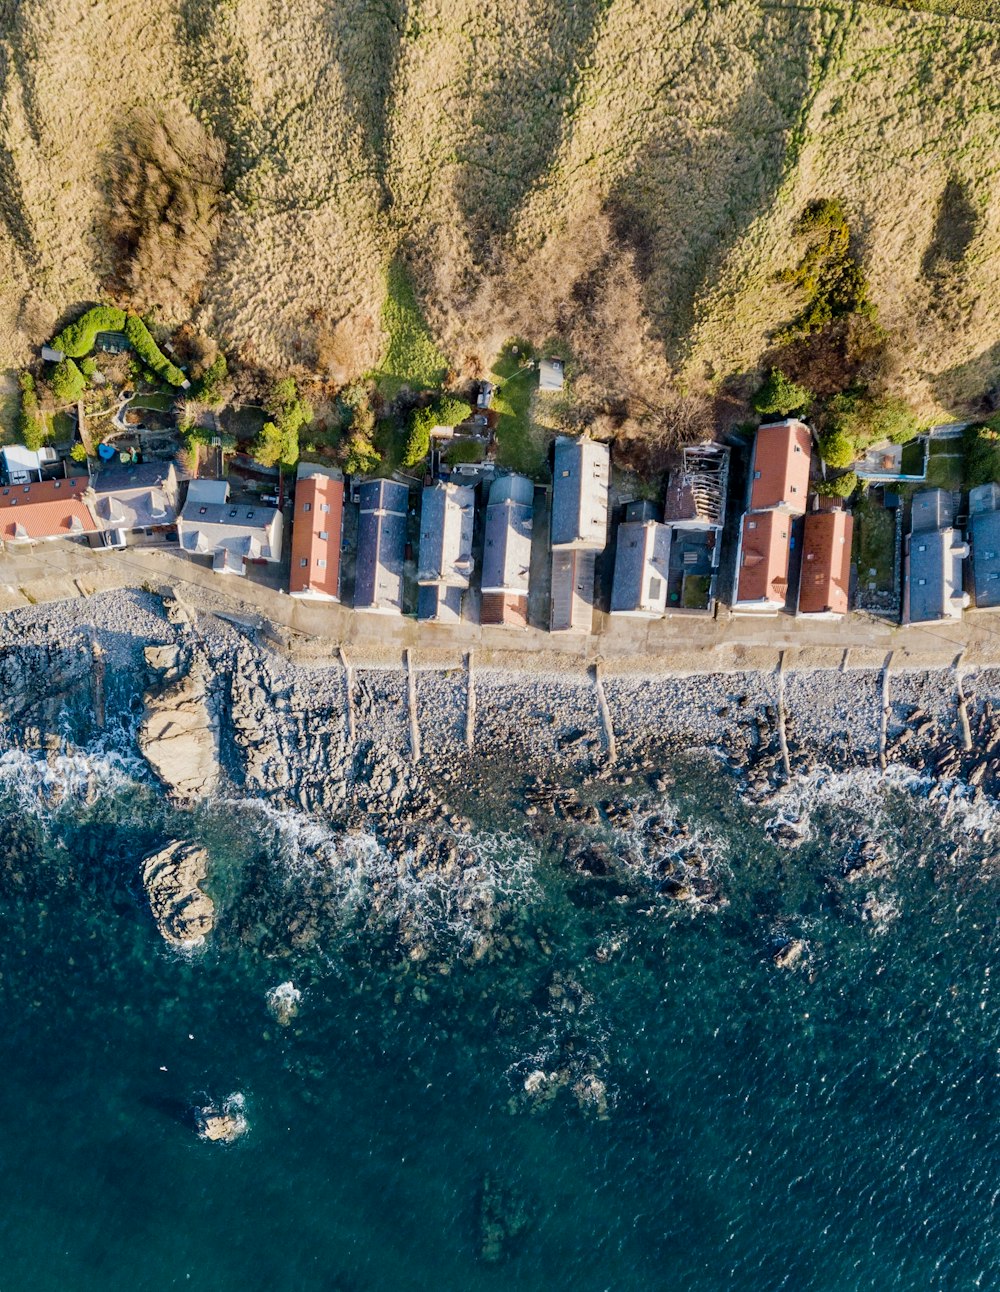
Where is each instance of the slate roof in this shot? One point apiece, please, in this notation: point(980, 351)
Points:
point(984, 531)
point(446, 520)
point(932, 580)
point(984, 498)
point(826, 563)
point(572, 602)
point(580, 494)
point(316, 536)
point(136, 497)
point(642, 567)
point(45, 509)
point(244, 531)
point(381, 545)
point(439, 602)
point(931, 509)
point(507, 547)
point(779, 472)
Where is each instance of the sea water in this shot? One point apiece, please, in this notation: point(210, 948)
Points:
point(829, 1126)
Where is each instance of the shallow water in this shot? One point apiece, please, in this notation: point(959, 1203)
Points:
point(827, 1127)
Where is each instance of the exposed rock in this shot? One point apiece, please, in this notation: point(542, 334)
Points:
point(221, 1123)
point(167, 661)
point(283, 1001)
point(788, 956)
point(592, 1095)
point(179, 736)
point(184, 913)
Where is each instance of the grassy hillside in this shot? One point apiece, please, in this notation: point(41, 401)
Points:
point(618, 177)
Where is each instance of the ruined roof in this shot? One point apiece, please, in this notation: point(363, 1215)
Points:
point(45, 509)
point(826, 563)
point(779, 471)
point(697, 490)
point(764, 553)
point(580, 494)
point(507, 547)
point(316, 534)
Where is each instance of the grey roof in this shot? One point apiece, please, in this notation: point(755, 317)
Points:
point(136, 497)
point(932, 509)
point(572, 602)
point(984, 498)
point(642, 563)
point(642, 509)
point(551, 373)
point(381, 545)
point(446, 521)
point(205, 529)
point(933, 576)
point(439, 602)
point(984, 531)
point(580, 494)
point(507, 548)
point(214, 491)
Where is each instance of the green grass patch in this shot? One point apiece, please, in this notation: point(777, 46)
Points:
point(161, 403)
point(411, 357)
point(982, 453)
point(390, 440)
point(874, 544)
point(464, 451)
point(984, 10)
point(521, 445)
point(696, 592)
point(946, 471)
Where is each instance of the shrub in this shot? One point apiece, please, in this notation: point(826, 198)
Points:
point(837, 449)
point(141, 341)
point(32, 434)
point(833, 282)
point(88, 367)
point(982, 455)
point(77, 339)
point(268, 446)
point(289, 413)
point(779, 394)
point(211, 387)
point(361, 458)
point(67, 382)
point(78, 453)
point(449, 411)
point(840, 487)
point(418, 442)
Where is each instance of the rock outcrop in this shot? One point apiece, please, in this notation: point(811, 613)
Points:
point(221, 1123)
point(179, 736)
point(184, 913)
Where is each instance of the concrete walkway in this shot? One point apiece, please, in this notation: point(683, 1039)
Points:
point(64, 570)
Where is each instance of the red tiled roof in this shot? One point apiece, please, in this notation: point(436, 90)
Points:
point(764, 552)
point(507, 608)
point(781, 466)
point(826, 563)
point(45, 509)
point(319, 509)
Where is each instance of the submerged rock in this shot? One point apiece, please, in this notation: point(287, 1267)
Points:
point(789, 955)
point(184, 913)
point(503, 1216)
point(179, 737)
point(283, 1002)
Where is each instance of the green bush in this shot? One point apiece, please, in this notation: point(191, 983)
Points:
point(833, 282)
point(279, 438)
point(78, 453)
point(418, 442)
point(361, 458)
point(210, 388)
point(840, 487)
point(77, 339)
point(88, 367)
point(871, 420)
point(29, 425)
point(779, 394)
point(837, 449)
point(982, 455)
point(141, 341)
point(449, 411)
point(67, 382)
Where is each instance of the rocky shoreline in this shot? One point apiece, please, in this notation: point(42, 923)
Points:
point(213, 710)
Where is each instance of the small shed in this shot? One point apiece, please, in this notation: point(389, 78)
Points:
point(551, 374)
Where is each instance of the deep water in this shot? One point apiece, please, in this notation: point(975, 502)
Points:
point(831, 1126)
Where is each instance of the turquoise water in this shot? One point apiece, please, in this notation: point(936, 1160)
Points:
point(827, 1127)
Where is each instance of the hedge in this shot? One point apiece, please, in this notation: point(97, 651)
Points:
point(77, 339)
point(150, 353)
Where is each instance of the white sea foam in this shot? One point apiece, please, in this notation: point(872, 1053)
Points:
point(42, 783)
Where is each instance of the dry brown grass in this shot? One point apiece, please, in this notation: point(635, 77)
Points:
point(621, 176)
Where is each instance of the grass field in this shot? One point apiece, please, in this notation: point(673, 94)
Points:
point(874, 544)
point(521, 444)
point(622, 175)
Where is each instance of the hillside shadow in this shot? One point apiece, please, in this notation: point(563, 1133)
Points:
point(970, 389)
point(522, 114)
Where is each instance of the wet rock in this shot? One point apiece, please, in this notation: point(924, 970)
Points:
point(221, 1123)
point(179, 736)
point(184, 913)
point(592, 1095)
point(791, 954)
point(283, 1002)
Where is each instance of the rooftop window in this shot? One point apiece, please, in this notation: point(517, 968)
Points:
point(324, 506)
point(323, 535)
point(321, 564)
point(303, 562)
point(307, 506)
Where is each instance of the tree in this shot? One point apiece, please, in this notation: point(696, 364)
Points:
point(841, 486)
point(269, 445)
point(418, 441)
point(779, 394)
point(360, 455)
point(212, 387)
point(67, 382)
point(289, 413)
point(837, 449)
